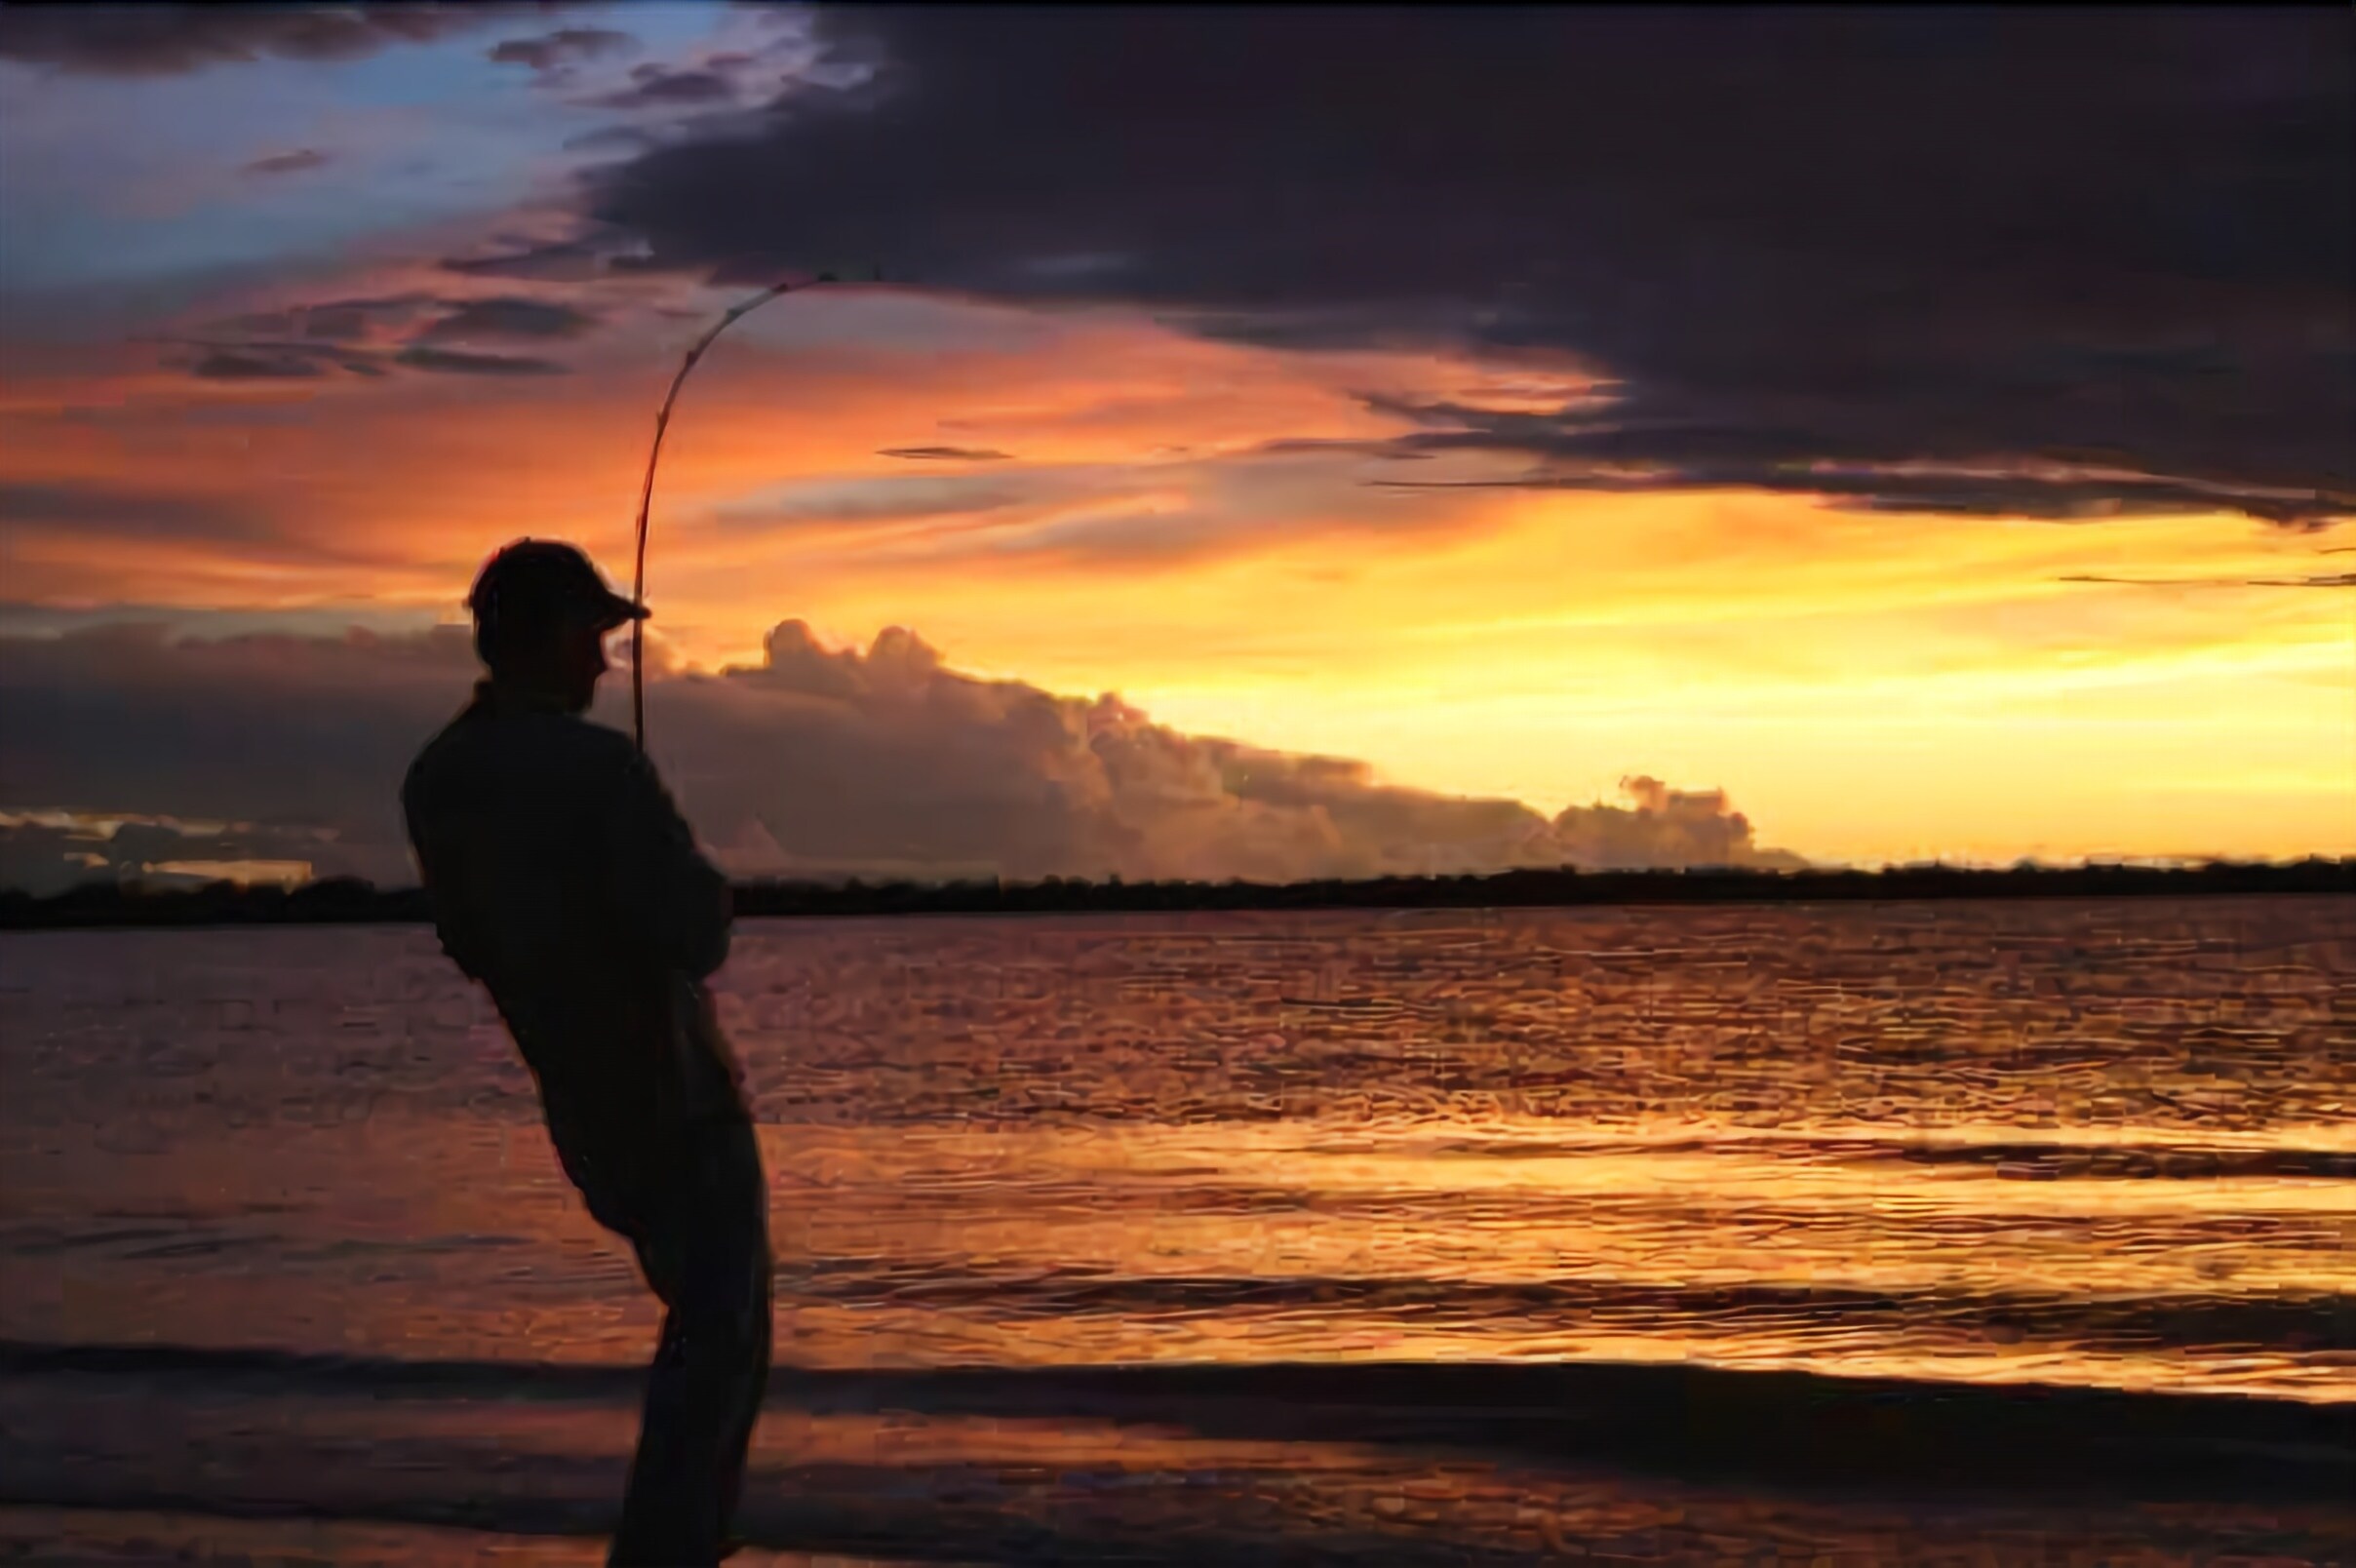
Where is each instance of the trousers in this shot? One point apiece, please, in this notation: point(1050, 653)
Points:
point(695, 1211)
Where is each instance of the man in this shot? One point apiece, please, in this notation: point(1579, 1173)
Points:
point(563, 879)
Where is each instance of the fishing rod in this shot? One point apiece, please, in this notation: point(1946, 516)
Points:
point(645, 493)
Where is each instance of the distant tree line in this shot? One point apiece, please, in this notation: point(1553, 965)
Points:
point(345, 900)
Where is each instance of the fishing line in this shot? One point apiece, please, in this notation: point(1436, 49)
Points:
point(645, 493)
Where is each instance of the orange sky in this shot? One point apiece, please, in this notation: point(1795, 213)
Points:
point(1867, 687)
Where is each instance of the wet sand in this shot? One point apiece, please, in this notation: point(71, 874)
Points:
point(1471, 1462)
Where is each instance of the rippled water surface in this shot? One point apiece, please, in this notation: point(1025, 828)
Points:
point(2102, 1143)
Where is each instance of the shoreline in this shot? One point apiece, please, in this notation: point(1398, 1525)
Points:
point(349, 901)
point(1781, 1429)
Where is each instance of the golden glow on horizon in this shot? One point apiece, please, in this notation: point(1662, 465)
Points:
point(1866, 687)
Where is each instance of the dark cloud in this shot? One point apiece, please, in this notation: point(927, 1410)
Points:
point(1580, 453)
point(368, 336)
point(613, 139)
point(510, 317)
point(240, 364)
point(1980, 239)
point(660, 87)
point(946, 454)
point(573, 260)
point(334, 321)
point(1388, 450)
point(133, 518)
point(258, 728)
point(273, 360)
point(165, 40)
point(394, 319)
point(817, 763)
point(288, 163)
point(457, 362)
point(565, 47)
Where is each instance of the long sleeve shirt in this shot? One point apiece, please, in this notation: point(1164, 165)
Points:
point(563, 878)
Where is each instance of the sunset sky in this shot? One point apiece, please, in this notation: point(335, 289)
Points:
point(1930, 428)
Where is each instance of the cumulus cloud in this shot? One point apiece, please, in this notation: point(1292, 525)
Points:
point(275, 732)
point(1865, 241)
point(816, 763)
point(168, 40)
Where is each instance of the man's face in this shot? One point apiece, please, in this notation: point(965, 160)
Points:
point(581, 664)
point(562, 662)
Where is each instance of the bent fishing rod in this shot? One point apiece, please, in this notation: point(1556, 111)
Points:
point(645, 493)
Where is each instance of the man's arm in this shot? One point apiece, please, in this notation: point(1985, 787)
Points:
point(671, 896)
point(453, 924)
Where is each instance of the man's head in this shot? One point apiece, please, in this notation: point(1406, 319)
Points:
point(541, 616)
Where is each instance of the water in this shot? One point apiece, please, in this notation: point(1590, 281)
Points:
point(2099, 1146)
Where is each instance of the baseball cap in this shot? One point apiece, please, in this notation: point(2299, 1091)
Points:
point(540, 582)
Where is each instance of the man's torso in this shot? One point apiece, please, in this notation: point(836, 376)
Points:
point(511, 811)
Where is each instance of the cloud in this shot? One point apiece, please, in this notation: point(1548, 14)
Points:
point(817, 761)
point(2332, 579)
point(945, 454)
point(457, 362)
point(890, 497)
point(288, 163)
point(336, 321)
point(167, 40)
point(564, 46)
point(117, 509)
point(577, 259)
point(304, 339)
point(285, 731)
point(510, 317)
point(1101, 517)
point(660, 87)
point(613, 139)
point(56, 851)
point(144, 529)
point(366, 337)
point(1580, 452)
point(1790, 240)
point(272, 361)
point(242, 364)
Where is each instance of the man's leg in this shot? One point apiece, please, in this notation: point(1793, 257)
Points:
point(708, 1257)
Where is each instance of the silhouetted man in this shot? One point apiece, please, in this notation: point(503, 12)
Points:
point(563, 879)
